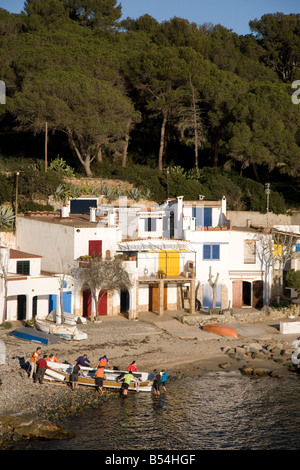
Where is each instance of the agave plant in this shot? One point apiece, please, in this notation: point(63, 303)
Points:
point(135, 194)
point(147, 194)
point(7, 217)
point(62, 193)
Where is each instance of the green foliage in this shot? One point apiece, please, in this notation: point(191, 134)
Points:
point(148, 95)
point(293, 279)
point(61, 167)
point(6, 325)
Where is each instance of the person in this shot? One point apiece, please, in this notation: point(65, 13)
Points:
point(42, 366)
point(126, 381)
point(52, 358)
point(104, 362)
point(156, 382)
point(33, 361)
point(74, 375)
point(100, 376)
point(82, 361)
point(132, 367)
point(163, 379)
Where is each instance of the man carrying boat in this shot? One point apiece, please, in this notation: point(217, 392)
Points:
point(42, 366)
point(132, 367)
point(52, 358)
point(126, 381)
point(83, 361)
point(33, 361)
point(100, 376)
point(104, 362)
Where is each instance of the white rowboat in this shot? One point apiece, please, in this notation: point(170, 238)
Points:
point(143, 380)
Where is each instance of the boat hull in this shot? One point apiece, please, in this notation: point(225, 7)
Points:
point(67, 332)
point(30, 334)
point(87, 377)
point(220, 329)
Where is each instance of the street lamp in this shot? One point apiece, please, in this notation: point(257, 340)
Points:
point(267, 191)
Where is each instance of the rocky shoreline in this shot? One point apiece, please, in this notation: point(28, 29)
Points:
point(29, 410)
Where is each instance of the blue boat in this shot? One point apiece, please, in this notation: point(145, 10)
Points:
point(35, 336)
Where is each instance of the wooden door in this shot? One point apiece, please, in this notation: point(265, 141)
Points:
point(258, 294)
point(153, 297)
point(237, 293)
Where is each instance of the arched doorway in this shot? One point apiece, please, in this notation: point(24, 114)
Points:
point(258, 294)
point(125, 301)
point(87, 303)
point(21, 307)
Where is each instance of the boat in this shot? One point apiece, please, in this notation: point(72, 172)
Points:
point(69, 318)
point(219, 329)
point(67, 332)
point(31, 334)
point(143, 382)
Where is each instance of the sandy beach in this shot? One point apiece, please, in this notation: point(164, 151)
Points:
point(154, 342)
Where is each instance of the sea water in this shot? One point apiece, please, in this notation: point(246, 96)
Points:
point(218, 411)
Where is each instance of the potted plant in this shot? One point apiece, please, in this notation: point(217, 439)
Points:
point(160, 274)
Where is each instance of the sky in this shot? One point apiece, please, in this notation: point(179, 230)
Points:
point(233, 14)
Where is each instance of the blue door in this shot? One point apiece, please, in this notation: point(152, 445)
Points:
point(67, 302)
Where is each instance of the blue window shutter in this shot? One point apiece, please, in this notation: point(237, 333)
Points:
point(207, 217)
point(206, 252)
point(215, 251)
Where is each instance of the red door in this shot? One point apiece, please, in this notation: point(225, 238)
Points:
point(95, 247)
point(87, 304)
point(102, 305)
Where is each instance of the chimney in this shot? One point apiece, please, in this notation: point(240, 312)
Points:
point(92, 214)
point(65, 211)
point(224, 205)
point(111, 218)
point(179, 217)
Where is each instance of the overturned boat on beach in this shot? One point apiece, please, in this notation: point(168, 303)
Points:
point(67, 332)
point(61, 372)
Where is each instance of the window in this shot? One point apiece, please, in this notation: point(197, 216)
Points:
point(207, 217)
point(150, 225)
point(249, 251)
point(211, 252)
point(23, 267)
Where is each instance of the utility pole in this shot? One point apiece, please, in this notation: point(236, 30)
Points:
point(16, 201)
point(46, 147)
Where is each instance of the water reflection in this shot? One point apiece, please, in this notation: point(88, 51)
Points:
point(216, 411)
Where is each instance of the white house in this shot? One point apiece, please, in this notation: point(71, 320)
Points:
point(192, 242)
point(25, 289)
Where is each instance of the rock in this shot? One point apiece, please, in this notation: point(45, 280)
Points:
point(241, 351)
point(259, 372)
point(247, 370)
point(30, 426)
point(253, 347)
point(224, 365)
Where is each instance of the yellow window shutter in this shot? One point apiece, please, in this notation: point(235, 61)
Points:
point(169, 262)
